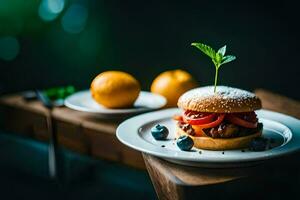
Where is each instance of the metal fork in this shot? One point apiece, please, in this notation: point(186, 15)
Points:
point(53, 150)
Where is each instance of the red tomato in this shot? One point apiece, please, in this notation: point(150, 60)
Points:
point(198, 118)
point(241, 122)
point(247, 116)
point(211, 124)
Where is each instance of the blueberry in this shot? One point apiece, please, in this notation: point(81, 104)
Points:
point(185, 143)
point(160, 132)
point(258, 144)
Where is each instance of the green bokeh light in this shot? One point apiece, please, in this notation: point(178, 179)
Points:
point(75, 18)
point(50, 9)
point(56, 6)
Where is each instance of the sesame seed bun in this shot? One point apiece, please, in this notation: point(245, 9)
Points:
point(218, 144)
point(225, 100)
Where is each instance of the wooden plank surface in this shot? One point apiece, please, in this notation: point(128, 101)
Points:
point(93, 136)
point(172, 181)
point(77, 131)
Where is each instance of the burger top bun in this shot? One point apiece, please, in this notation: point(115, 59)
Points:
point(225, 100)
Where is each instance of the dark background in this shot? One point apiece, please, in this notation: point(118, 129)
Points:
point(145, 38)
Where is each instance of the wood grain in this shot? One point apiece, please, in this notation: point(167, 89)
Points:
point(78, 131)
point(166, 184)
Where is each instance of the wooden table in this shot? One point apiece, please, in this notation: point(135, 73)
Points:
point(77, 131)
point(274, 179)
point(95, 137)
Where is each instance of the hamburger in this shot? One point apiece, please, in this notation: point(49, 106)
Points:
point(220, 120)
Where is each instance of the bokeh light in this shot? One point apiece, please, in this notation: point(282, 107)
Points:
point(75, 18)
point(50, 9)
point(56, 6)
point(9, 48)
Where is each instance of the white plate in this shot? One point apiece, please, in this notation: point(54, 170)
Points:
point(83, 101)
point(135, 133)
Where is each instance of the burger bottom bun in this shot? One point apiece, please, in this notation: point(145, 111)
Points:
point(210, 143)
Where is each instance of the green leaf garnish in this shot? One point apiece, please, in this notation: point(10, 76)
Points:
point(222, 50)
point(218, 58)
point(227, 59)
point(205, 49)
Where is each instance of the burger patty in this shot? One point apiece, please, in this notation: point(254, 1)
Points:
point(187, 128)
point(224, 130)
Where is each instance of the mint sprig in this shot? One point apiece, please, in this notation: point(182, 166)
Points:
point(218, 58)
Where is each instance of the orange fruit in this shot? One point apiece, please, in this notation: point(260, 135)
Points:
point(115, 89)
point(172, 84)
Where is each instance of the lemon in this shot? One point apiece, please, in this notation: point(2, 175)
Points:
point(115, 89)
point(172, 84)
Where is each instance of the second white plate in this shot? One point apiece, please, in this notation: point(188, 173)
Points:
point(83, 101)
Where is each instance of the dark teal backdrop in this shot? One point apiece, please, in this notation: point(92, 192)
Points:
point(145, 38)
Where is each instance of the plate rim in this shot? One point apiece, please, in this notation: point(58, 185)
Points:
point(165, 153)
point(108, 111)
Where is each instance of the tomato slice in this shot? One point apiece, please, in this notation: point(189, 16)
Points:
point(215, 123)
point(247, 116)
point(199, 120)
point(241, 122)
